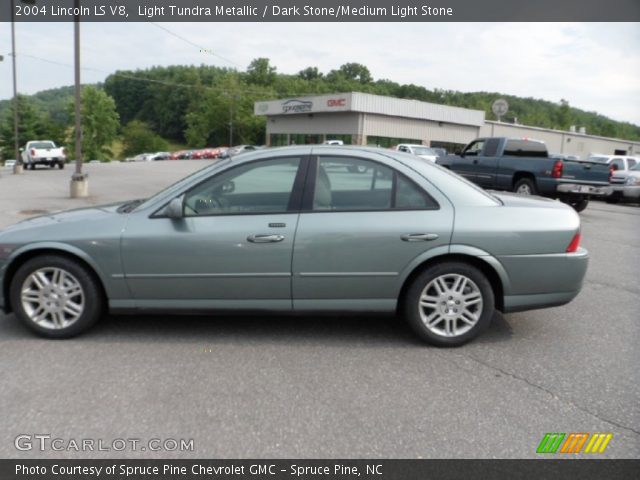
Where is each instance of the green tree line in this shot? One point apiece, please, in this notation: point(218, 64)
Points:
point(200, 105)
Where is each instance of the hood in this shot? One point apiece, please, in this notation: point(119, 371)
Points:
point(96, 213)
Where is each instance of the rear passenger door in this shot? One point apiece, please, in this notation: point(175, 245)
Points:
point(355, 231)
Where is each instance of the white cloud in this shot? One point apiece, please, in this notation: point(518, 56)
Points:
point(595, 66)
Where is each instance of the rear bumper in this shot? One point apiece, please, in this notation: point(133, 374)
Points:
point(542, 281)
point(578, 189)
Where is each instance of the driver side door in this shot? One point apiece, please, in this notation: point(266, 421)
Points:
point(232, 248)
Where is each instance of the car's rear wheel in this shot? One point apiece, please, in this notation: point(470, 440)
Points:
point(525, 186)
point(60, 165)
point(449, 304)
point(55, 296)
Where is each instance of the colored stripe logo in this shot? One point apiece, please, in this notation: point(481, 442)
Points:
point(574, 442)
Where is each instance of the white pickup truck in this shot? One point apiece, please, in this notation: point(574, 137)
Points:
point(43, 152)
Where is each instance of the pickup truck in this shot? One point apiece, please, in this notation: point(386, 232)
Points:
point(42, 152)
point(525, 167)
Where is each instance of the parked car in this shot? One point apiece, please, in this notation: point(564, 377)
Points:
point(181, 155)
point(141, 157)
point(524, 166)
point(419, 150)
point(615, 162)
point(205, 153)
point(440, 152)
point(334, 142)
point(292, 230)
point(237, 150)
point(158, 156)
point(43, 152)
point(625, 184)
point(9, 163)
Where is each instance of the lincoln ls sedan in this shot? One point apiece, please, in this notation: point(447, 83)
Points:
point(300, 229)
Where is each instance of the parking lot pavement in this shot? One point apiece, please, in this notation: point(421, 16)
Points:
point(351, 386)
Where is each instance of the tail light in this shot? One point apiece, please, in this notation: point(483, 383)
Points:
point(556, 172)
point(33, 152)
point(575, 243)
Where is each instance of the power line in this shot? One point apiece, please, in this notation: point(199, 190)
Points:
point(186, 40)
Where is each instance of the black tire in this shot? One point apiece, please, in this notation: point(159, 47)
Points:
point(92, 295)
point(613, 198)
point(525, 186)
point(416, 316)
point(580, 205)
point(60, 165)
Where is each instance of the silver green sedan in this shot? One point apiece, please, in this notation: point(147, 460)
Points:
point(300, 229)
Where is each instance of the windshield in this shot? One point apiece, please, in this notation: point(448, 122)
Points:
point(42, 145)
point(636, 167)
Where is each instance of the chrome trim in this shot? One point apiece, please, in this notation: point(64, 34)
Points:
point(205, 275)
point(348, 274)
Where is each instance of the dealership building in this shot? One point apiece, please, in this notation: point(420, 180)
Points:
point(365, 119)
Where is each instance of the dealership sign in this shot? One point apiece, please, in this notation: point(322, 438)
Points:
point(297, 106)
point(305, 105)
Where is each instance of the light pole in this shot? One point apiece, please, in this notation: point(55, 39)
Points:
point(79, 181)
point(17, 167)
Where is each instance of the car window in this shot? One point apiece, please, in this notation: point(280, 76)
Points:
point(475, 148)
point(631, 162)
point(617, 164)
point(42, 145)
point(525, 148)
point(257, 187)
point(344, 184)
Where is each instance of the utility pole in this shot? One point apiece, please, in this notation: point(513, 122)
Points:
point(17, 167)
point(79, 181)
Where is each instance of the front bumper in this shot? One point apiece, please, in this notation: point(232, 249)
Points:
point(590, 190)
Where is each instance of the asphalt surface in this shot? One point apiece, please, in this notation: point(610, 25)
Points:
point(315, 387)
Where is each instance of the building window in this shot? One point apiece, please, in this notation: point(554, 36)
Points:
point(389, 142)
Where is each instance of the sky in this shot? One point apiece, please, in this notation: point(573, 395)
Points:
point(595, 66)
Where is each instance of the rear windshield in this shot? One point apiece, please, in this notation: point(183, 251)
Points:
point(525, 148)
point(42, 145)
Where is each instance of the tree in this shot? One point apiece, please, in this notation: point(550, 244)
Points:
point(310, 73)
point(260, 72)
point(100, 123)
point(231, 101)
point(138, 138)
point(31, 125)
point(352, 71)
point(564, 115)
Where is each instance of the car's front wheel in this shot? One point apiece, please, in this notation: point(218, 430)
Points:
point(449, 304)
point(55, 296)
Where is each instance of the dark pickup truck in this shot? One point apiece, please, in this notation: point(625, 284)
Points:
point(524, 166)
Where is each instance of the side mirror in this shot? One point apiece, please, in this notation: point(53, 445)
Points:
point(21, 149)
point(175, 209)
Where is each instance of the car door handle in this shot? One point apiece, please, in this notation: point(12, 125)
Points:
point(418, 237)
point(265, 238)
